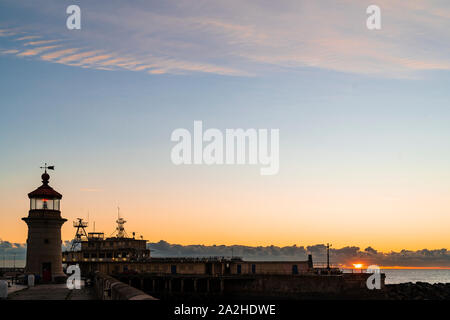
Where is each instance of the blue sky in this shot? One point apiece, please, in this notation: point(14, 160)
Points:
point(362, 114)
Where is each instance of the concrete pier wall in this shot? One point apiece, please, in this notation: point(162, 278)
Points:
point(257, 286)
point(109, 288)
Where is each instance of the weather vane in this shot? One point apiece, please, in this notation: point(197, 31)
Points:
point(45, 167)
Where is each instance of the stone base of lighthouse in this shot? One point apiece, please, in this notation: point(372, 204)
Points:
point(44, 247)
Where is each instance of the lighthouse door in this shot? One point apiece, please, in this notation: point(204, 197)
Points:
point(47, 272)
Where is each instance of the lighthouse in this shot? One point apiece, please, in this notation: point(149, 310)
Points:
point(44, 254)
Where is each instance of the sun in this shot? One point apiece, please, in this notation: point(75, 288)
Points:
point(357, 265)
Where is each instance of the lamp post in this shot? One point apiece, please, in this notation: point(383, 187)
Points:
point(328, 256)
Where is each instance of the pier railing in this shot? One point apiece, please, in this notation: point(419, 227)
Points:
point(323, 265)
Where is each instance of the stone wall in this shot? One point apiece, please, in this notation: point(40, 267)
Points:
point(302, 286)
point(108, 288)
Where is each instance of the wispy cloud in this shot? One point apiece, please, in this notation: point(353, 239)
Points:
point(7, 32)
point(104, 60)
point(38, 43)
point(9, 51)
point(35, 51)
point(91, 190)
point(57, 54)
point(27, 38)
point(93, 60)
point(77, 57)
point(248, 38)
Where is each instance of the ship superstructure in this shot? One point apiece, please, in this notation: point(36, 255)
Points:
point(94, 247)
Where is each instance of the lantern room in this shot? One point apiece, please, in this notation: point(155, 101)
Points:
point(45, 197)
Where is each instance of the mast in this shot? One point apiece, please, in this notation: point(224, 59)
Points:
point(80, 234)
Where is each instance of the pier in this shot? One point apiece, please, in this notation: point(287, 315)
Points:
point(53, 292)
point(258, 286)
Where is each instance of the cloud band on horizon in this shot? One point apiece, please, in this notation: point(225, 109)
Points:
point(438, 258)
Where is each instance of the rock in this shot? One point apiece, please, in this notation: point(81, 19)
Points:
point(417, 291)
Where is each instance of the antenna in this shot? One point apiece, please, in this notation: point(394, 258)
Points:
point(120, 229)
point(80, 234)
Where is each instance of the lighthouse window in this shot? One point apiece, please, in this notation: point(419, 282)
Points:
point(44, 204)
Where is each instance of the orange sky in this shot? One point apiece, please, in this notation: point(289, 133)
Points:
point(195, 213)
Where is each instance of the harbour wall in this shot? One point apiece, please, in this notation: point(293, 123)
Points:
point(180, 287)
point(109, 288)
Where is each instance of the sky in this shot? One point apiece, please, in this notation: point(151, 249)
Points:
point(363, 118)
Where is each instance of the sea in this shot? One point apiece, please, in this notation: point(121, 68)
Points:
point(394, 276)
